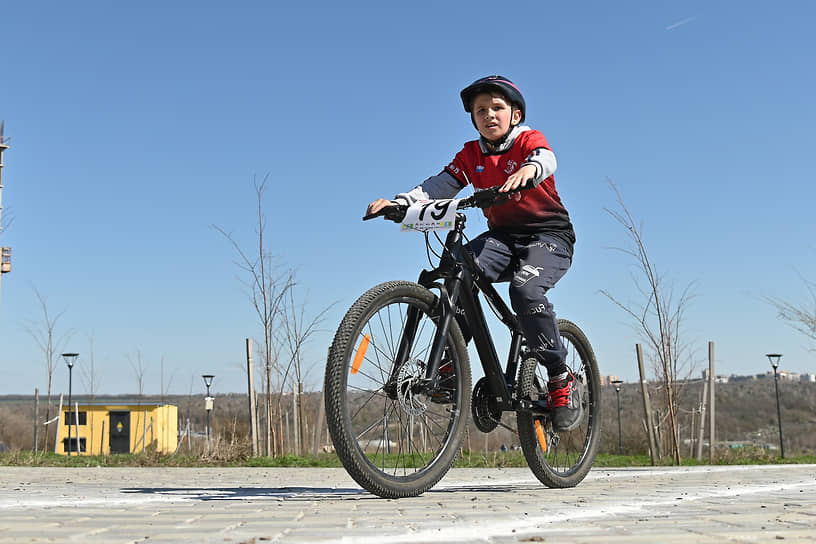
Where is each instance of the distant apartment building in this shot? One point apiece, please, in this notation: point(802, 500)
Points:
point(607, 380)
point(718, 378)
point(748, 378)
point(785, 375)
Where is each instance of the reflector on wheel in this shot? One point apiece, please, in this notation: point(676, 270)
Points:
point(360, 355)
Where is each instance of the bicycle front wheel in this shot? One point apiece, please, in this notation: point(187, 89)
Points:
point(562, 458)
point(393, 438)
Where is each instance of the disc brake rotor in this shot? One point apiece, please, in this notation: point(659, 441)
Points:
point(409, 376)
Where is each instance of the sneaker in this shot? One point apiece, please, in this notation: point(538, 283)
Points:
point(564, 402)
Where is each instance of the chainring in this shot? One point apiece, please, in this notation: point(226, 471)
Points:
point(486, 413)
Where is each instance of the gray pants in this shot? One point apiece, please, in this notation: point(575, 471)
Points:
point(532, 263)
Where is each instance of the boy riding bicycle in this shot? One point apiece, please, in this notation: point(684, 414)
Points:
point(530, 238)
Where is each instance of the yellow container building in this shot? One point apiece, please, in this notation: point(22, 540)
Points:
point(103, 428)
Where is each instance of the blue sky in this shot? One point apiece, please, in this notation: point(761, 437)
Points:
point(136, 127)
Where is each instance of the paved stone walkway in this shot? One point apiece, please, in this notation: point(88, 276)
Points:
point(248, 505)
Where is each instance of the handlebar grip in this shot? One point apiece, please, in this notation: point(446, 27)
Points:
point(490, 196)
point(528, 184)
point(395, 213)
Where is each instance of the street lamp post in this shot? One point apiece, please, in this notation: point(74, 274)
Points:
point(774, 359)
point(617, 384)
point(208, 404)
point(70, 359)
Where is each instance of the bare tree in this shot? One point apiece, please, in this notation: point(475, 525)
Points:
point(165, 387)
point(139, 371)
point(51, 343)
point(266, 285)
point(297, 331)
point(89, 373)
point(90, 376)
point(799, 315)
point(657, 317)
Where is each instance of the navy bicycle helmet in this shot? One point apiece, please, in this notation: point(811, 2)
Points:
point(498, 84)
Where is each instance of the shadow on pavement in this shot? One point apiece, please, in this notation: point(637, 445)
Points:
point(240, 493)
point(487, 488)
point(302, 493)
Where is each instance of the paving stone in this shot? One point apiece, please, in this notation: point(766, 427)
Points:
point(255, 506)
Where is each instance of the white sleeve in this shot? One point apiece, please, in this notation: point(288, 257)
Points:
point(544, 161)
point(443, 185)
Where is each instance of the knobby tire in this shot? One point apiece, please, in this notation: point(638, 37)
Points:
point(562, 459)
point(395, 443)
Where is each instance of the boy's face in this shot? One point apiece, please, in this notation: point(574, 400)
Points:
point(493, 115)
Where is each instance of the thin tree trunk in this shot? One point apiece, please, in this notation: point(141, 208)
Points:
point(673, 422)
point(647, 406)
point(321, 414)
point(304, 423)
point(711, 424)
point(295, 420)
point(253, 416)
point(288, 433)
point(36, 417)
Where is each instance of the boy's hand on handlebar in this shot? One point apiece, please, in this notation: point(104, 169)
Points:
point(378, 205)
point(518, 180)
point(390, 209)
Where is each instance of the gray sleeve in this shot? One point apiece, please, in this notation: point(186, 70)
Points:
point(443, 185)
point(544, 161)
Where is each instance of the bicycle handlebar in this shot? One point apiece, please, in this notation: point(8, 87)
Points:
point(480, 199)
point(488, 197)
point(394, 212)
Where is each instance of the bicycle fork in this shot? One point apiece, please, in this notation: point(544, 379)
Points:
point(442, 314)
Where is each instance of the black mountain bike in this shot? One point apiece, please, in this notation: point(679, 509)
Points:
point(398, 382)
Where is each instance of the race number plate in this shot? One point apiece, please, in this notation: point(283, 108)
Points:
point(427, 215)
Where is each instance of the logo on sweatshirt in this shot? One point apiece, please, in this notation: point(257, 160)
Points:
point(479, 169)
point(511, 167)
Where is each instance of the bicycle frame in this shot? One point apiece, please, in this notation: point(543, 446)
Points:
point(461, 274)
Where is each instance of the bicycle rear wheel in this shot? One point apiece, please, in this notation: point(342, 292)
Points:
point(393, 439)
point(558, 458)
